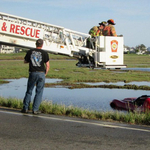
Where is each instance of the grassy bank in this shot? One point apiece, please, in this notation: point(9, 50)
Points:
point(50, 108)
point(12, 67)
point(137, 61)
point(67, 70)
point(20, 56)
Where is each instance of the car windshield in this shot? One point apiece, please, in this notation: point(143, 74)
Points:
point(140, 100)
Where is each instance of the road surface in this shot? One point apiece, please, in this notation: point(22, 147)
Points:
point(50, 132)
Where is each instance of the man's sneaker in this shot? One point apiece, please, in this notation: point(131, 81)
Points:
point(36, 112)
point(24, 111)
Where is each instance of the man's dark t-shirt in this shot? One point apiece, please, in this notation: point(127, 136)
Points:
point(37, 59)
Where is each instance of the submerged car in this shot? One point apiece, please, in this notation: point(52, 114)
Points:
point(140, 104)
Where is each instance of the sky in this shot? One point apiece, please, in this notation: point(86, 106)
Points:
point(132, 17)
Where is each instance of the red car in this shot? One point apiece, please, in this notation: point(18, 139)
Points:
point(140, 104)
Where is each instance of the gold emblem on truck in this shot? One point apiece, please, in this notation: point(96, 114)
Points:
point(114, 56)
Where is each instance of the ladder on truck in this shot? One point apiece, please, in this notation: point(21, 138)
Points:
point(22, 32)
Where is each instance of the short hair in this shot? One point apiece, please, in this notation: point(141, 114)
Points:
point(39, 43)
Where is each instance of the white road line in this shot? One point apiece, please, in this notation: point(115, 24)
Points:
point(97, 124)
point(83, 122)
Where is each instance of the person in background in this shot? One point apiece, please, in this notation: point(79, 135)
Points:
point(37, 60)
point(109, 30)
point(93, 32)
point(101, 27)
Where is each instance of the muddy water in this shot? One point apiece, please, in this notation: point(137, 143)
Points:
point(88, 98)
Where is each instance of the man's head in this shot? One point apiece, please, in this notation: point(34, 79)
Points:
point(111, 21)
point(39, 43)
point(102, 24)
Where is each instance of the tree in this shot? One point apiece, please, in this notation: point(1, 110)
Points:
point(141, 48)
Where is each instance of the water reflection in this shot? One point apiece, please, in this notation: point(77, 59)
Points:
point(138, 69)
point(120, 83)
point(88, 98)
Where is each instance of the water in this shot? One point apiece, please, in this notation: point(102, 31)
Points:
point(120, 83)
point(88, 98)
point(138, 69)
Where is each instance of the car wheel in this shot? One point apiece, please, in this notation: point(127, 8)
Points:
point(113, 105)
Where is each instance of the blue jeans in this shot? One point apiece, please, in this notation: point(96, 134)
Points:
point(35, 79)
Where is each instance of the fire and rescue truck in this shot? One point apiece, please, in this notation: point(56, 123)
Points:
point(106, 52)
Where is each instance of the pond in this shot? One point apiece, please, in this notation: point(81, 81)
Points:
point(138, 69)
point(87, 98)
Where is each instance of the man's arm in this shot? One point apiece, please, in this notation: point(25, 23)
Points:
point(47, 67)
point(113, 31)
point(25, 61)
point(26, 58)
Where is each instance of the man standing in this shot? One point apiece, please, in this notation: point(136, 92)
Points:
point(37, 60)
point(109, 30)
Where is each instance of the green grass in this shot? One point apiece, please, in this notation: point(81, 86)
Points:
point(137, 61)
point(48, 107)
point(67, 70)
point(12, 67)
point(20, 56)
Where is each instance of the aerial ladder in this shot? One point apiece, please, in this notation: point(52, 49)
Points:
point(107, 52)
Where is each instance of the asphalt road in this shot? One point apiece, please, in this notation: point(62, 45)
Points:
point(49, 132)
